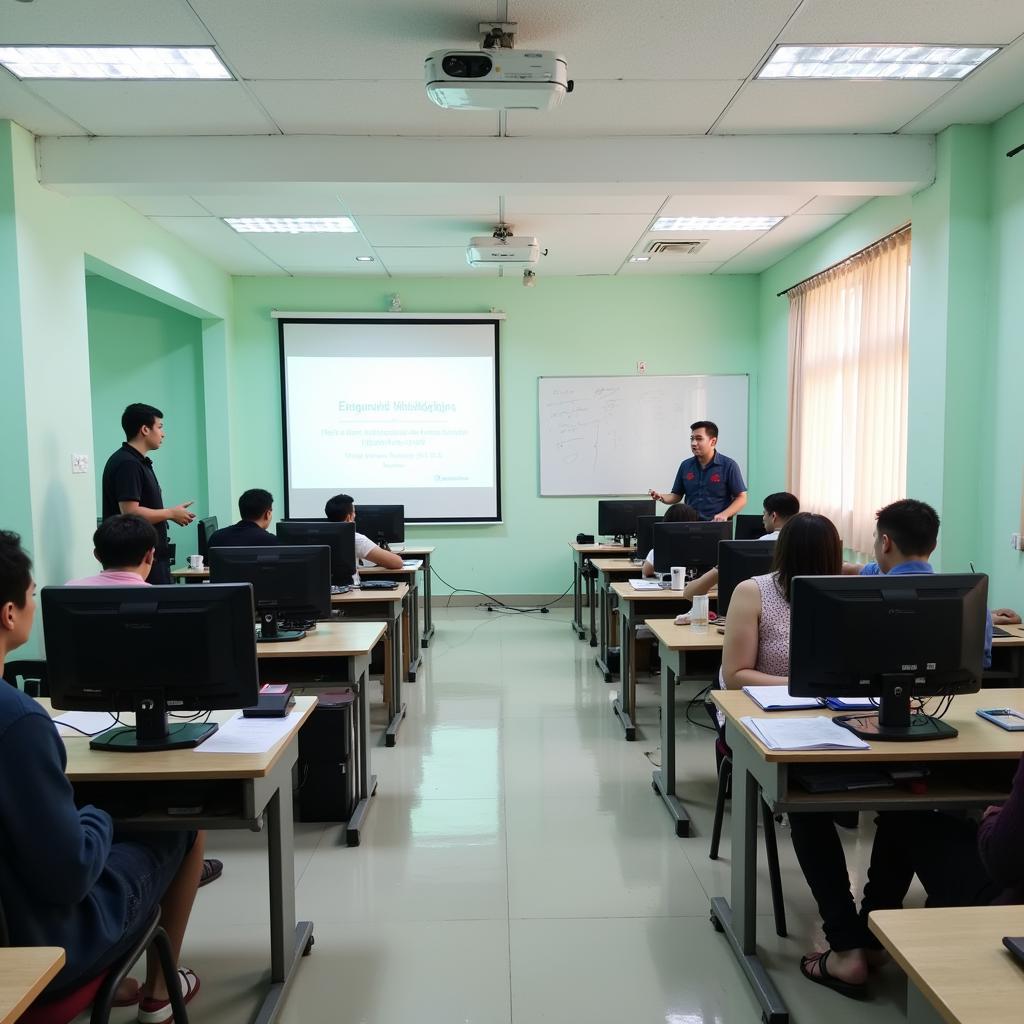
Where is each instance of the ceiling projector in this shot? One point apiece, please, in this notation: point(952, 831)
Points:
point(502, 250)
point(496, 79)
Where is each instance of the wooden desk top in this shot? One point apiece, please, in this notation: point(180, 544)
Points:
point(416, 550)
point(978, 739)
point(686, 638)
point(191, 574)
point(957, 959)
point(329, 639)
point(1016, 638)
point(598, 549)
point(616, 565)
point(24, 973)
point(85, 765)
point(627, 593)
point(369, 596)
point(379, 570)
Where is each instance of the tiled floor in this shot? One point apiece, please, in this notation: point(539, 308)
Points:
point(516, 866)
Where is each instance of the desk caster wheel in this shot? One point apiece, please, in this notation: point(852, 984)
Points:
point(309, 945)
point(716, 924)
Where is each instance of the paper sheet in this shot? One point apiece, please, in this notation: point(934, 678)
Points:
point(240, 735)
point(645, 584)
point(91, 723)
point(818, 733)
point(777, 698)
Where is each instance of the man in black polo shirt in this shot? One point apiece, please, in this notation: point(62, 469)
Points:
point(130, 486)
point(256, 509)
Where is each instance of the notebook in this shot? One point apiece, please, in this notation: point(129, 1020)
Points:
point(645, 584)
point(777, 698)
point(817, 733)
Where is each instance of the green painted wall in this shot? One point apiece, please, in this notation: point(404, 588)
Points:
point(563, 326)
point(141, 350)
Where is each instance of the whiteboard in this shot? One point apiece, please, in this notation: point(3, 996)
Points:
point(625, 435)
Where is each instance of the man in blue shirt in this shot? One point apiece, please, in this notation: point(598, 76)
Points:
point(709, 481)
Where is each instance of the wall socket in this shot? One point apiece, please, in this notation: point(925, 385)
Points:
point(641, 366)
point(79, 463)
point(1015, 541)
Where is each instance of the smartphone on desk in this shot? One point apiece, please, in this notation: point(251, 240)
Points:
point(1005, 718)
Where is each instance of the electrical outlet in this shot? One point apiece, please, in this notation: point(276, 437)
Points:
point(641, 366)
point(1015, 541)
point(79, 463)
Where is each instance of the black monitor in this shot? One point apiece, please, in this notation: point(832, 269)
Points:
point(738, 560)
point(749, 527)
point(645, 535)
point(897, 638)
point(205, 529)
point(287, 583)
point(694, 545)
point(383, 524)
point(619, 518)
point(151, 650)
point(339, 537)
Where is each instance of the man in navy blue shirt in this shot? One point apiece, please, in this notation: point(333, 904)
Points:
point(709, 481)
point(256, 510)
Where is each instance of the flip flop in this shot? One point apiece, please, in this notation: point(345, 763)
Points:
point(212, 870)
point(822, 977)
point(130, 1001)
point(158, 1011)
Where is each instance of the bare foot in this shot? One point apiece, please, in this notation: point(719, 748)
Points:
point(877, 958)
point(127, 993)
point(850, 965)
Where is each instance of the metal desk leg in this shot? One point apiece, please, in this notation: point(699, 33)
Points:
point(289, 941)
point(663, 780)
point(410, 633)
point(366, 784)
point(428, 611)
point(577, 596)
point(604, 618)
point(739, 922)
point(592, 603)
point(396, 709)
point(624, 705)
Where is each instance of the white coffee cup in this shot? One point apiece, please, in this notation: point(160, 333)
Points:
point(699, 611)
point(195, 561)
point(678, 577)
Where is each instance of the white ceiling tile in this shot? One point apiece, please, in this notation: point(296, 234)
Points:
point(581, 244)
point(166, 206)
point(290, 201)
point(718, 245)
point(671, 264)
point(732, 206)
point(427, 200)
point(71, 22)
point(774, 107)
point(599, 108)
point(158, 108)
point(20, 104)
point(366, 108)
point(215, 240)
point(984, 96)
point(310, 253)
point(909, 21)
point(833, 204)
point(418, 231)
point(576, 202)
point(783, 239)
point(432, 261)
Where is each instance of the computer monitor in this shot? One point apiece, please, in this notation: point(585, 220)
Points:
point(738, 560)
point(749, 527)
point(645, 535)
point(205, 529)
point(339, 537)
point(897, 638)
point(287, 582)
point(694, 545)
point(151, 650)
point(618, 518)
point(383, 524)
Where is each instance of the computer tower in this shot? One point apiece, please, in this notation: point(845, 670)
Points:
point(325, 776)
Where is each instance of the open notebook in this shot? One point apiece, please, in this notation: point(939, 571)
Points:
point(817, 733)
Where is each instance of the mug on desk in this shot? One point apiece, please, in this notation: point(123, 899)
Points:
point(195, 561)
point(678, 577)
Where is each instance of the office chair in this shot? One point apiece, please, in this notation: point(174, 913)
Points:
point(32, 674)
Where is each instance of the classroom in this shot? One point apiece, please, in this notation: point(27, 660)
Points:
point(470, 337)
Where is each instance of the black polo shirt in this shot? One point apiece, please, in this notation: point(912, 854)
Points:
point(128, 476)
point(243, 534)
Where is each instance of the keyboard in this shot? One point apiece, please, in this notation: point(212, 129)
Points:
point(340, 590)
point(996, 631)
point(379, 585)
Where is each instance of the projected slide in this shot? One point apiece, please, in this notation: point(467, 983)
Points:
point(392, 412)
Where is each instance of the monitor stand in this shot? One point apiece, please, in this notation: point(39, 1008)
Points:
point(271, 634)
point(894, 720)
point(382, 542)
point(152, 730)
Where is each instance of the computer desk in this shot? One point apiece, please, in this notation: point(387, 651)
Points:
point(957, 969)
point(757, 771)
point(1007, 660)
point(411, 619)
point(422, 553)
point(24, 972)
point(243, 791)
point(336, 652)
point(187, 575)
point(609, 571)
point(581, 554)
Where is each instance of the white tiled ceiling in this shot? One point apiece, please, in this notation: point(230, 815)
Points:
point(643, 71)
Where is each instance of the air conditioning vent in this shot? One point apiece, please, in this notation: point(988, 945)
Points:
point(678, 248)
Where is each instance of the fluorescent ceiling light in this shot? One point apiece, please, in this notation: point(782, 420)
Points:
point(364, 259)
point(884, 61)
point(292, 225)
point(715, 223)
point(639, 259)
point(117, 62)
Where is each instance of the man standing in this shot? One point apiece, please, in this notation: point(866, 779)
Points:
point(255, 511)
point(709, 481)
point(130, 485)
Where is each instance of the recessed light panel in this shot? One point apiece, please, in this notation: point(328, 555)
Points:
point(116, 62)
point(292, 225)
point(364, 259)
point(715, 223)
point(639, 259)
point(893, 61)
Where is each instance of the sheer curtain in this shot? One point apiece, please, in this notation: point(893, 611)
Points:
point(848, 367)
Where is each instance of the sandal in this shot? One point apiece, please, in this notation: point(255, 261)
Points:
point(212, 870)
point(822, 976)
point(158, 1011)
point(132, 1000)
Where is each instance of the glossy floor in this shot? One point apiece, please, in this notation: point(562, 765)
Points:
point(516, 866)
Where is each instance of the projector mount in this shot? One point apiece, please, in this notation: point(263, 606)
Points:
point(498, 34)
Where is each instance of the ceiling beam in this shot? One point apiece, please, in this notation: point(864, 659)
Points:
point(818, 164)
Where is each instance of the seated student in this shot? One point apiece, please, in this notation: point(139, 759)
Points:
point(678, 513)
point(1005, 617)
point(342, 509)
point(779, 508)
point(67, 878)
point(255, 510)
